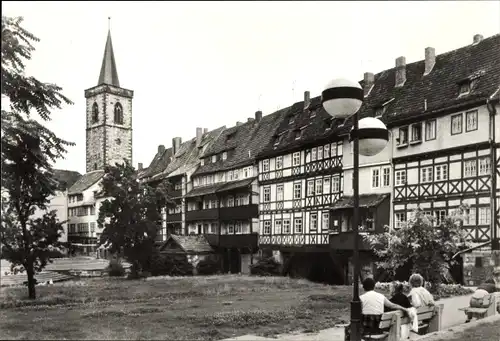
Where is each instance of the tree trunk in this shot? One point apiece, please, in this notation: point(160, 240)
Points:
point(31, 280)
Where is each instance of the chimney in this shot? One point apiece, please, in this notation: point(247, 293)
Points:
point(400, 71)
point(369, 79)
point(139, 166)
point(205, 130)
point(238, 123)
point(176, 144)
point(430, 59)
point(307, 99)
point(250, 119)
point(477, 38)
point(199, 134)
point(258, 116)
point(161, 149)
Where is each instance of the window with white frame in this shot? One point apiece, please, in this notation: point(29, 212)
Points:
point(430, 130)
point(213, 203)
point(485, 165)
point(297, 191)
point(426, 174)
point(399, 220)
point(471, 120)
point(333, 150)
point(230, 228)
point(267, 194)
point(238, 200)
point(470, 169)
point(464, 88)
point(277, 226)
point(375, 177)
point(326, 151)
point(386, 176)
point(279, 193)
point(297, 224)
point(310, 188)
point(248, 172)
point(439, 217)
point(441, 173)
point(403, 136)
point(213, 228)
point(325, 223)
point(484, 215)
point(286, 226)
point(238, 228)
point(320, 153)
point(296, 159)
point(230, 199)
point(221, 176)
point(336, 184)
point(267, 227)
point(214, 158)
point(265, 166)
point(456, 124)
point(313, 154)
point(224, 155)
point(230, 176)
point(326, 185)
point(319, 186)
point(279, 162)
point(236, 173)
point(313, 222)
point(470, 216)
point(416, 132)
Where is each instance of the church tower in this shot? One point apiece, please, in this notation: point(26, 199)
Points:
point(109, 117)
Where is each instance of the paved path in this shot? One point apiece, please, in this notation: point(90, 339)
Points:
point(451, 317)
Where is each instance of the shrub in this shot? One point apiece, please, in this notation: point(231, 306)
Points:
point(266, 267)
point(170, 265)
point(444, 291)
point(115, 268)
point(208, 266)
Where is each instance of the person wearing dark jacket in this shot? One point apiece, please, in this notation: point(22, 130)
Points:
point(399, 297)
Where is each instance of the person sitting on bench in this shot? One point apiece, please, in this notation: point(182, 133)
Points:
point(372, 308)
point(486, 288)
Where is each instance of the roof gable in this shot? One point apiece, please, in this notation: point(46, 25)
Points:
point(193, 244)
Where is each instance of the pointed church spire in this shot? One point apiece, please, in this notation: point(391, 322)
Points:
point(109, 74)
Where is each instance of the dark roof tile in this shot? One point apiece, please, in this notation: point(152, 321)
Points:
point(190, 244)
point(418, 97)
point(244, 142)
point(86, 181)
point(365, 200)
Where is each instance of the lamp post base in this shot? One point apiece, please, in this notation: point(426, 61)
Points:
point(355, 320)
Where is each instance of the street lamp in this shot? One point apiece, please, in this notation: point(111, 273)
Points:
point(341, 99)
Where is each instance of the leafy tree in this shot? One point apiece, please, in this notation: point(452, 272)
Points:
point(131, 215)
point(28, 151)
point(427, 247)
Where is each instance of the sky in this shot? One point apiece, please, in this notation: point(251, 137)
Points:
point(210, 64)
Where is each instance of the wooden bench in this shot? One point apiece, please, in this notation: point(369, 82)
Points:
point(429, 319)
point(490, 301)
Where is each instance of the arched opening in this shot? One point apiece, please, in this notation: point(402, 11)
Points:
point(118, 113)
point(95, 113)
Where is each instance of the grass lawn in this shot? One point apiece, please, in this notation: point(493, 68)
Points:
point(186, 308)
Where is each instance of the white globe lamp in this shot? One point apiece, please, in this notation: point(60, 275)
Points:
point(342, 98)
point(373, 136)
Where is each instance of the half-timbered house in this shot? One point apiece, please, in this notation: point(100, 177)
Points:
point(223, 201)
point(445, 130)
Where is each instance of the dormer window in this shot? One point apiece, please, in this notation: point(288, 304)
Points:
point(416, 133)
point(379, 111)
point(464, 88)
point(230, 137)
point(278, 139)
point(402, 139)
point(224, 156)
point(214, 158)
point(202, 162)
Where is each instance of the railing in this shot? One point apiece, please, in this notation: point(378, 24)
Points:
point(208, 214)
point(173, 217)
point(233, 240)
point(239, 212)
